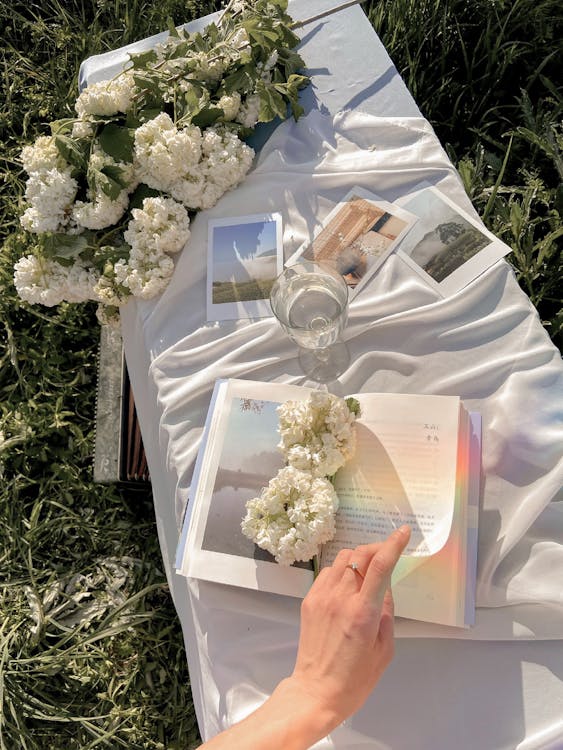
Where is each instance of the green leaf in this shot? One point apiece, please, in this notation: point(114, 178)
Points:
point(547, 245)
point(142, 59)
point(272, 103)
point(354, 406)
point(62, 127)
point(115, 173)
point(107, 184)
point(118, 142)
point(207, 117)
point(172, 30)
point(240, 80)
point(58, 245)
point(72, 150)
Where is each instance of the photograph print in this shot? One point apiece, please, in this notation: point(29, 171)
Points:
point(244, 259)
point(357, 236)
point(446, 245)
point(249, 459)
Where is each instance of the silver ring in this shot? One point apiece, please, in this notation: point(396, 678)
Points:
point(355, 567)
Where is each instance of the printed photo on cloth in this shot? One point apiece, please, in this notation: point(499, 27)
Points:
point(447, 247)
point(244, 257)
point(357, 236)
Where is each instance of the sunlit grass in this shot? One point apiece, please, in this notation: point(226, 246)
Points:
point(91, 653)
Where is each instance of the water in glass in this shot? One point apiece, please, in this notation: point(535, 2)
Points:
point(315, 310)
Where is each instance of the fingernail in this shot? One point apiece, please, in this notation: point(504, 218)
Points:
point(404, 529)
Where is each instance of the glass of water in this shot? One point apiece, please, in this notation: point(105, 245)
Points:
point(310, 300)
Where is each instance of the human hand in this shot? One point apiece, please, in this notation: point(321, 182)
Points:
point(346, 640)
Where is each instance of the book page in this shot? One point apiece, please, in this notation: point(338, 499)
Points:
point(403, 471)
point(238, 456)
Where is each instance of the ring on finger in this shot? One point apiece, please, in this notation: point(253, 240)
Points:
point(356, 568)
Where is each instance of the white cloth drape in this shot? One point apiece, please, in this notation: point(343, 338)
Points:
point(498, 686)
point(486, 344)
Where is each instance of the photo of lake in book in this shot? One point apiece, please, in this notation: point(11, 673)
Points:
point(244, 261)
point(442, 240)
point(243, 471)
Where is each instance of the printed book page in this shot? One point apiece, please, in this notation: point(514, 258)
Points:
point(239, 457)
point(403, 471)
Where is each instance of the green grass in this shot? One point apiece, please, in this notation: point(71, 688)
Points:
point(91, 653)
point(243, 291)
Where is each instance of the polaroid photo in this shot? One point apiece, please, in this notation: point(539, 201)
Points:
point(447, 247)
point(244, 257)
point(357, 236)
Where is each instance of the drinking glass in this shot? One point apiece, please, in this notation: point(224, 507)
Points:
point(310, 301)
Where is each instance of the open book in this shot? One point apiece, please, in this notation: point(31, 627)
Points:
point(417, 461)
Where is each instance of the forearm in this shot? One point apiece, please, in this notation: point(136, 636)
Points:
point(291, 719)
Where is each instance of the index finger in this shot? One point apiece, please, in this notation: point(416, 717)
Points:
point(381, 566)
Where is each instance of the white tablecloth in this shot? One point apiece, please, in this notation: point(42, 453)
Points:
point(499, 685)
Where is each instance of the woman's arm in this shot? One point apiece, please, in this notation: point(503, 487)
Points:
point(345, 645)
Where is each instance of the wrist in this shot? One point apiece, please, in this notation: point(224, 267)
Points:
point(311, 719)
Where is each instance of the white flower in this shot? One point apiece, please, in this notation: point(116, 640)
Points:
point(161, 225)
point(225, 162)
point(42, 156)
point(82, 129)
point(50, 193)
point(209, 70)
point(144, 277)
point(293, 516)
point(164, 154)
point(46, 282)
point(102, 212)
point(230, 104)
point(249, 111)
point(317, 435)
point(106, 98)
point(271, 62)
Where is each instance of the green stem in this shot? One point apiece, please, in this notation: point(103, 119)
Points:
point(316, 565)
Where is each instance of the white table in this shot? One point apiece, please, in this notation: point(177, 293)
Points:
point(500, 685)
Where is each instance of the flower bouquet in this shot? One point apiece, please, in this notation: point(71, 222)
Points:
point(111, 192)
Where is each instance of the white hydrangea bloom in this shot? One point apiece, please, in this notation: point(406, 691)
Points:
point(106, 98)
point(101, 212)
point(50, 193)
point(107, 289)
point(230, 104)
point(225, 162)
point(317, 435)
point(249, 111)
point(164, 154)
point(228, 158)
point(82, 129)
point(42, 156)
point(189, 190)
point(37, 282)
point(80, 282)
point(161, 224)
point(46, 282)
point(99, 159)
point(293, 515)
point(145, 277)
point(209, 70)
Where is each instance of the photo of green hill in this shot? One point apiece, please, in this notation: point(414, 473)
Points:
point(442, 240)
